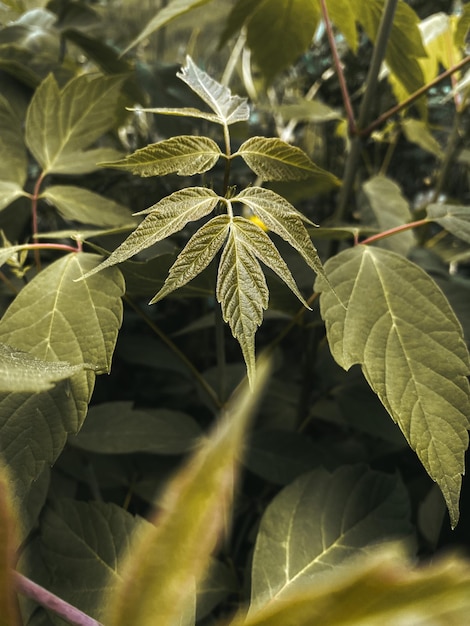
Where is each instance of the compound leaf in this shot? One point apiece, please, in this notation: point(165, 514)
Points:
point(82, 205)
point(196, 255)
point(184, 155)
point(165, 218)
point(410, 346)
point(321, 520)
point(228, 109)
point(192, 515)
point(60, 124)
point(454, 218)
point(274, 159)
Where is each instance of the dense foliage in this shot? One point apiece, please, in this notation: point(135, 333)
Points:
point(255, 218)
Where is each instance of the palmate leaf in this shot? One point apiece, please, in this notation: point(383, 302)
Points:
point(409, 344)
point(274, 159)
point(171, 557)
point(166, 217)
point(228, 109)
point(61, 124)
point(321, 520)
point(185, 155)
point(453, 218)
point(55, 318)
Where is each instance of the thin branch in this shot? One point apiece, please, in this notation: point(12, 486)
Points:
point(50, 601)
point(339, 69)
point(394, 231)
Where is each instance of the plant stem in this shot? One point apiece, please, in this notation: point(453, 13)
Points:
point(378, 56)
point(174, 348)
point(52, 602)
point(394, 231)
point(339, 69)
point(34, 216)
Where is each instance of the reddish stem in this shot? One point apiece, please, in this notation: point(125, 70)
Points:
point(394, 231)
point(52, 602)
point(339, 69)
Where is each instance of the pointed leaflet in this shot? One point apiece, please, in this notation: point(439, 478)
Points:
point(9, 614)
point(184, 155)
point(229, 109)
point(172, 10)
point(19, 371)
point(242, 292)
point(60, 124)
point(284, 220)
point(81, 205)
point(380, 589)
point(319, 522)
point(57, 319)
point(410, 346)
point(169, 557)
point(196, 255)
point(454, 218)
point(166, 217)
point(274, 159)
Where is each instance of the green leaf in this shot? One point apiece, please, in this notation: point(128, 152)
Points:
point(380, 589)
point(55, 318)
point(85, 161)
point(185, 155)
point(60, 124)
point(418, 132)
point(228, 109)
point(196, 255)
point(386, 208)
point(320, 521)
point(169, 557)
point(13, 170)
point(9, 192)
point(81, 544)
point(274, 159)
point(284, 220)
point(81, 205)
point(117, 428)
point(174, 9)
point(19, 371)
point(453, 218)
point(343, 15)
point(181, 112)
point(165, 218)
point(278, 31)
point(9, 615)
point(409, 344)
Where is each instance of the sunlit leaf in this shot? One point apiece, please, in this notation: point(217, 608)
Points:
point(385, 207)
point(19, 371)
point(380, 589)
point(463, 26)
point(9, 614)
point(169, 558)
point(166, 217)
point(118, 428)
point(454, 218)
point(174, 9)
point(409, 344)
point(229, 109)
point(184, 155)
point(55, 318)
point(437, 32)
point(196, 255)
point(81, 205)
point(60, 124)
point(274, 159)
point(182, 112)
point(321, 520)
point(343, 16)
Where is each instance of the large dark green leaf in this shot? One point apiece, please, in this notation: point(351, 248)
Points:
point(320, 521)
point(410, 346)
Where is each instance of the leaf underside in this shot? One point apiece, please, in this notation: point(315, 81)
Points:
point(410, 346)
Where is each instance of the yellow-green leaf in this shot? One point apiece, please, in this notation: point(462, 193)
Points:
point(185, 155)
point(9, 192)
point(14, 164)
point(342, 14)
point(171, 557)
point(196, 255)
point(410, 346)
point(274, 159)
point(9, 613)
point(454, 218)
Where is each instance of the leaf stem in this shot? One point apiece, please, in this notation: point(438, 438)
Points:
point(34, 216)
point(50, 601)
point(393, 231)
point(339, 69)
